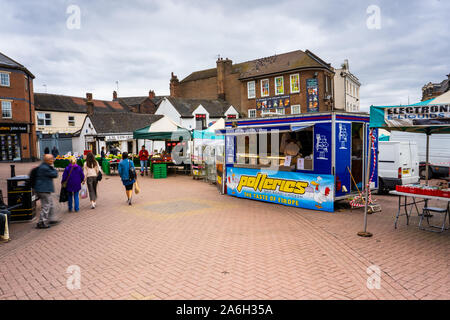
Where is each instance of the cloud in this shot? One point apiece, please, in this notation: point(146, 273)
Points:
point(139, 43)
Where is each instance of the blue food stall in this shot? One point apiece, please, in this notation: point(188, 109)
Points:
point(307, 160)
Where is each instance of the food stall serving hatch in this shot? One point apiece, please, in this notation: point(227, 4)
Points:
point(307, 161)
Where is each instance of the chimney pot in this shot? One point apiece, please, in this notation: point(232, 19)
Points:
point(89, 96)
point(114, 95)
point(151, 94)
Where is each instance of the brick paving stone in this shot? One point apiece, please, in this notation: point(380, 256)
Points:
point(181, 239)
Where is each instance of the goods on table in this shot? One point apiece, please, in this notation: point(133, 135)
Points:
point(424, 190)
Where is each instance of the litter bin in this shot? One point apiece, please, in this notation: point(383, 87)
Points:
point(20, 193)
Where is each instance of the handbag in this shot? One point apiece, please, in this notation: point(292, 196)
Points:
point(136, 188)
point(63, 194)
point(99, 175)
point(131, 172)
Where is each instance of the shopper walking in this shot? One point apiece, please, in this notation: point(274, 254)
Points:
point(143, 157)
point(55, 152)
point(128, 175)
point(43, 185)
point(72, 177)
point(102, 156)
point(91, 169)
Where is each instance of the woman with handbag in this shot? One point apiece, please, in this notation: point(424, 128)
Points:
point(127, 173)
point(92, 172)
point(72, 178)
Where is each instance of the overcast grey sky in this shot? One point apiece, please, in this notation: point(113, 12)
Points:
point(139, 43)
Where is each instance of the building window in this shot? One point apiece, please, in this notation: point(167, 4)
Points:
point(279, 86)
point(327, 84)
point(71, 121)
point(252, 113)
point(200, 121)
point(26, 83)
point(251, 91)
point(4, 79)
point(6, 110)
point(295, 109)
point(265, 88)
point(295, 83)
point(44, 119)
point(280, 110)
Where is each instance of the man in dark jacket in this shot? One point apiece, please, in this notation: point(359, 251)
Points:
point(44, 188)
point(55, 152)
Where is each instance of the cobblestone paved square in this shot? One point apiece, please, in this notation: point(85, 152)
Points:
point(181, 239)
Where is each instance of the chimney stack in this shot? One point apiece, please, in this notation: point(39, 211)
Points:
point(89, 104)
point(174, 88)
point(223, 68)
point(151, 94)
point(114, 95)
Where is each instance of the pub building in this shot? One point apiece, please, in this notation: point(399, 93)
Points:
point(17, 130)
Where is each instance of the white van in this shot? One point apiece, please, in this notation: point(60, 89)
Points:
point(398, 164)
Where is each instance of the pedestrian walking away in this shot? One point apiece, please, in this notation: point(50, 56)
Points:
point(72, 177)
point(91, 170)
point(55, 152)
point(128, 175)
point(143, 157)
point(44, 188)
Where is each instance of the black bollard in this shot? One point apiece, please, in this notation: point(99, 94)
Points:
point(13, 170)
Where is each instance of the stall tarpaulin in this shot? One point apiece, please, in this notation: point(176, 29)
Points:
point(163, 129)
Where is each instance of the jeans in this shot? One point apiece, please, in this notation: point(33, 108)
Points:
point(144, 164)
point(73, 197)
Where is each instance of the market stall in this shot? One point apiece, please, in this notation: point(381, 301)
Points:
point(177, 141)
point(425, 117)
point(207, 151)
point(307, 161)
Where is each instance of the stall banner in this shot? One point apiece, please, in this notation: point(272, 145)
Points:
point(273, 102)
point(343, 157)
point(322, 148)
point(312, 99)
point(303, 190)
point(417, 115)
point(229, 149)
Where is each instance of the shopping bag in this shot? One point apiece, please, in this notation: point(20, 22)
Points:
point(136, 188)
point(83, 191)
point(63, 195)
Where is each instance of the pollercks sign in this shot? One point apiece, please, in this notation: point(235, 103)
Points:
point(408, 116)
point(296, 189)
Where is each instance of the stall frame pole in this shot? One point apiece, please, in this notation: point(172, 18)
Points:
point(365, 233)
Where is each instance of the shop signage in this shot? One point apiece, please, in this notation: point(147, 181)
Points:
point(123, 137)
point(407, 116)
point(13, 128)
point(312, 98)
point(273, 102)
point(303, 190)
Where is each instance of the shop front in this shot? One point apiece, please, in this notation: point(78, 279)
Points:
point(10, 140)
point(306, 161)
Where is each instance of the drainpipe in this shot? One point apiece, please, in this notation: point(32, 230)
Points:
point(31, 121)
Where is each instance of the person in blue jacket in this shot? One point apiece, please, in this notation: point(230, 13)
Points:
point(44, 188)
point(124, 171)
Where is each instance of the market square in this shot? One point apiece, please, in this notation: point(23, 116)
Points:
point(181, 239)
point(204, 152)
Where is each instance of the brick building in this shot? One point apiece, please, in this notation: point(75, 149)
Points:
point(288, 83)
point(433, 90)
point(17, 130)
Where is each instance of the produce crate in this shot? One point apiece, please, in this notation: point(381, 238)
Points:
point(106, 168)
